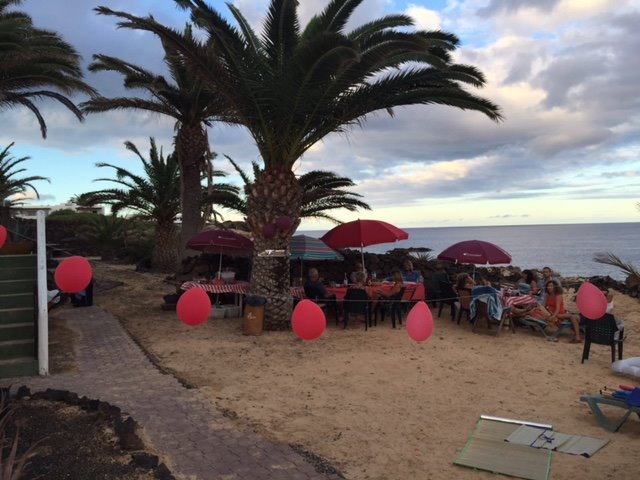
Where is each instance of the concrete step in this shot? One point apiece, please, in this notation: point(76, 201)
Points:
point(17, 331)
point(17, 315)
point(19, 273)
point(17, 286)
point(17, 348)
point(19, 367)
point(17, 300)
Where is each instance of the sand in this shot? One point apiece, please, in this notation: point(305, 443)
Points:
point(375, 404)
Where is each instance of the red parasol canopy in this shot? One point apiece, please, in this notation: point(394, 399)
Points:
point(362, 233)
point(221, 241)
point(476, 252)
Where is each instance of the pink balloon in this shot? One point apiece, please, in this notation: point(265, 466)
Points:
point(3, 236)
point(269, 230)
point(420, 322)
point(73, 274)
point(308, 321)
point(283, 223)
point(591, 302)
point(193, 307)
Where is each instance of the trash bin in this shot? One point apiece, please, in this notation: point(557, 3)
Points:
point(253, 315)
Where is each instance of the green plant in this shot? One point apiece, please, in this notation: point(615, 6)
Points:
point(423, 256)
point(608, 258)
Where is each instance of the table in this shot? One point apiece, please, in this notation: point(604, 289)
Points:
point(414, 292)
point(239, 288)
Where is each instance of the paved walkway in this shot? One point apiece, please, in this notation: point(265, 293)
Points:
point(181, 423)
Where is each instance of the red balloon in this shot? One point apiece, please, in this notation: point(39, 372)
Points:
point(3, 236)
point(591, 302)
point(73, 274)
point(269, 230)
point(193, 307)
point(420, 322)
point(283, 223)
point(308, 320)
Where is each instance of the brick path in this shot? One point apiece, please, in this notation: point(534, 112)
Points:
point(181, 423)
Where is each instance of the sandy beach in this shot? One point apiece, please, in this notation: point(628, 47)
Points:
point(375, 404)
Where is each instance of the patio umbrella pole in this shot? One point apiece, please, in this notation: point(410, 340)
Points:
point(301, 272)
point(364, 269)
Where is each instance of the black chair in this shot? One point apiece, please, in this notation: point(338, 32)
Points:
point(432, 288)
point(356, 301)
point(83, 298)
point(394, 304)
point(603, 332)
point(464, 304)
point(447, 297)
point(328, 305)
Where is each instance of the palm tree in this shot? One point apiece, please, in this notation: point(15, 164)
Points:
point(36, 64)
point(154, 196)
point(323, 192)
point(290, 87)
point(182, 98)
point(107, 233)
point(11, 186)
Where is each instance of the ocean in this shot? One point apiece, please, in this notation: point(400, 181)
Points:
point(567, 249)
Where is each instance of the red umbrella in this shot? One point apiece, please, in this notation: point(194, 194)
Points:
point(221, 241)
point(362, 233)
point(476, 252)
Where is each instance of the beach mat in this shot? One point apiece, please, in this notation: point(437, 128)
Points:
point(560, 442)
point(486, 449)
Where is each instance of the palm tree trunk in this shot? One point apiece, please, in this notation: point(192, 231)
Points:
point(275, 193)
point(165, 254)
point(191, 148)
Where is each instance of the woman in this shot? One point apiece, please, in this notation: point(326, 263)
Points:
point(463, 282)
point(554, 303)
point(528, 283)
point(398, 284)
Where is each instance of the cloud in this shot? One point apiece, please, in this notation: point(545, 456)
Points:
point(563, 72)
point(424, 18)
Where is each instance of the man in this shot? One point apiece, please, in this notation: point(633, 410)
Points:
point(315, 290)
point(547, 276)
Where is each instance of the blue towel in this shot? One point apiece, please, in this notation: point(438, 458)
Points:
point(489, 295)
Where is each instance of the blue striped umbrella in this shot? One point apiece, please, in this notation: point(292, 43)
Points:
point(304, 247)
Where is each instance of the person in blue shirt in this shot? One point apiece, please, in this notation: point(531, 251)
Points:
point(409, 274)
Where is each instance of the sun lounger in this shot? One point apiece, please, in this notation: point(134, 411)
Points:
point(594, 400)
point(541, 326)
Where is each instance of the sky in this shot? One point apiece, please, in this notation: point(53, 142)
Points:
point(564, 73)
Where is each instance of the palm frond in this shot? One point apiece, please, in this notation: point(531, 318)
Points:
point(612, 259)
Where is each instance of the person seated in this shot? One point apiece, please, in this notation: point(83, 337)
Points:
point(555, 312)
point(609, 296)
point(484, 287)
point(463, 282)
point(359, 281)
point(409, 274)
point(314, 288)
point(358, 269)
point(547, 275)
point(398, 284)
point(528, 284)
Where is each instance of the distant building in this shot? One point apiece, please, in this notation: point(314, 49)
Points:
point(30, 211)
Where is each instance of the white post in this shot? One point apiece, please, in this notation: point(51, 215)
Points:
point(43, 311)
